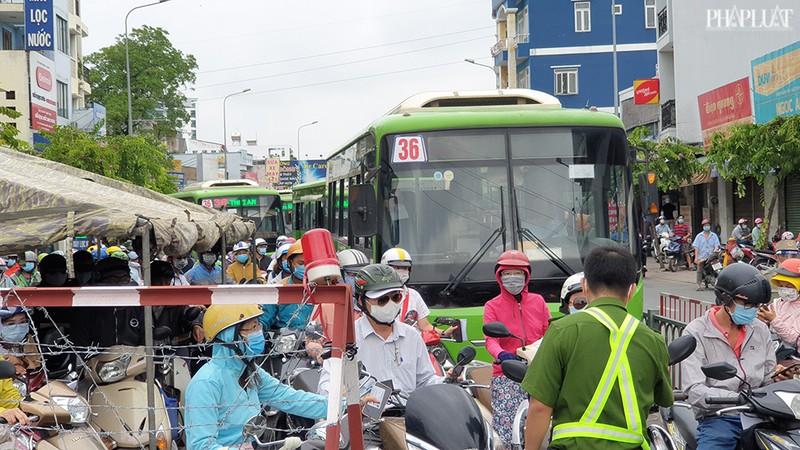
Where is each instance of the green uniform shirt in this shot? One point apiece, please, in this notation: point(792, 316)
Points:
point(568, 366)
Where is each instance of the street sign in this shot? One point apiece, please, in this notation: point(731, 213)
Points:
point(39, 25)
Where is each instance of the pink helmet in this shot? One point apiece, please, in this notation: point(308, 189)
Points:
point(759, 220)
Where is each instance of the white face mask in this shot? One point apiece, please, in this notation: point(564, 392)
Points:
point(403, 274)
point(514, 284)
point(787, 293)
point(386, 313)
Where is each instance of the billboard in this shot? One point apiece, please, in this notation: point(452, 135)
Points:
point(39, 25)
point(776, 83)
point(43, 92)
point(272, 172)
point(723, 107)
point(645, 92)
point(98, 116)
point(300, 172)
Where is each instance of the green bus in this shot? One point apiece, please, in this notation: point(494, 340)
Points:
point(456, 178)
point(286, 210)
point(308, 202)
point(245, 198)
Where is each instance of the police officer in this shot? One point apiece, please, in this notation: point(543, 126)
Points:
point(596, 404)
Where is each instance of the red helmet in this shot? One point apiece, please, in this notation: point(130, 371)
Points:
point(742, 220)
point(514, 258)
point(759, 220)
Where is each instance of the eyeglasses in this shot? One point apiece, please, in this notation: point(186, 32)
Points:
point(578, 303)
point(254, 329)
point(122, 280)
point(383, 300)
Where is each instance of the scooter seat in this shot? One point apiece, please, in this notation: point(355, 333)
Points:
point(683, 416)
point(307, 380)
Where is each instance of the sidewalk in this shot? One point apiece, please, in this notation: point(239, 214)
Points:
point(680, 283)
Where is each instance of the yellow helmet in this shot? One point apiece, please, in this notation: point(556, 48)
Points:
point(113, 249)
point(295, 249)
point(220, 317)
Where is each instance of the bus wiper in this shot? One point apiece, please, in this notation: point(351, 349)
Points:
point(451, 287)
point(526, 234)
point(462, 274)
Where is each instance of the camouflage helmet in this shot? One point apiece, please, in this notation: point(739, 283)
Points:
point(376, 277)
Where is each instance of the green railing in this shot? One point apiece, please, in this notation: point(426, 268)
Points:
point(670, 329)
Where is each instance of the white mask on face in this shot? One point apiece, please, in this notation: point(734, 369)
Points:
point(787, 293)
point(386, 313)
point(403, 274)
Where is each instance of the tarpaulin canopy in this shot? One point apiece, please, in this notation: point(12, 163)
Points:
point(43, 201)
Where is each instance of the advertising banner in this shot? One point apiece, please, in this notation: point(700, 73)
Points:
point(776, 83)
point(645, 92)
point(39, 25)
point(301, 172)
point(272, 172)
point(179, 178)
point(43, 92)
point(724, 107)
point(99, 115)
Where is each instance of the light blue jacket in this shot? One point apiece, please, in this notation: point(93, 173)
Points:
point(217, 407)
point(295, 317)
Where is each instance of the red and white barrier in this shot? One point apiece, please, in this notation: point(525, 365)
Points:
point(682, 309)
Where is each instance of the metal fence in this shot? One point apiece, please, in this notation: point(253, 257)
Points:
point(670, 329)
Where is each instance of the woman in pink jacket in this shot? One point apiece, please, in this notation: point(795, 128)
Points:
point(526, 315)
point(784, 313)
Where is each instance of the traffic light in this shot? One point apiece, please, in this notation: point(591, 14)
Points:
point(648, 184)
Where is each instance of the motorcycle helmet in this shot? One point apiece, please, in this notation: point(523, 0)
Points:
point(742, 220)
point(396, 257)
point(283, 249)
point(743, 282)
point(7, 312)
point(241, 246)
point(571, 286)
point(787, 235)
point(295, 249)
point(758, 221)
point(352, 259)
point(513, 258)
point(377, 280)
point(789, 272)
point(220, 317)
point(786, 246)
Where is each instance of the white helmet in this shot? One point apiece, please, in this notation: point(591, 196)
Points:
point(260, 241)
point(241, 246)
point(396, 257)
point(352, 259)
point(571, 285)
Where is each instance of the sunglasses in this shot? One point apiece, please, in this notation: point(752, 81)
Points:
point(579, 303)
point(383, 300)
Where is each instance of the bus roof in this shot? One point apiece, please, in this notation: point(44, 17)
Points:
point(471, 99)
point(311, 185)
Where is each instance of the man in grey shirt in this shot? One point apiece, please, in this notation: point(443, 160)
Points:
point(388, 348)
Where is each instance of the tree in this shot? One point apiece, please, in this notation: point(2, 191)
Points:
point(159, 72)
point(9, 133)
point(141, 160)
point(673, 162)
point(766, 152)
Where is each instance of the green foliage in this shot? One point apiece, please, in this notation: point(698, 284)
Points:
point(9, 133)
point(673, 161)
point(159, 72)
point(141, 160)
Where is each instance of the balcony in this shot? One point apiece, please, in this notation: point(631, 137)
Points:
point(668, 115)
point(663, 22)
point(499, 47)
point(12, 12)
point(523, 38)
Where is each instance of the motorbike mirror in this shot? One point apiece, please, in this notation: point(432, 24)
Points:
point(255, 426)
point(192, 313)
point(162, 333)
point(466, 355)
point(719, 371)
point(496, 330)
point(7, 370)
point(514, 370)
point(681, 348)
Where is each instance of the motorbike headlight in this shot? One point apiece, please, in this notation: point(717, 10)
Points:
point(113, 371)
point(286, 344)
point(77, 408)
point(21, 387)
point(792, 400)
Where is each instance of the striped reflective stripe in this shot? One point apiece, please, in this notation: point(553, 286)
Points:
point(596, 431)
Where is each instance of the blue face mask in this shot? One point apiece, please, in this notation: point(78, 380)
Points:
point(28, 267)
point(299, 272)
point(262, 251)
point(706, 228)
point(743, 316)
point(255, 344)
point(11, 262)
point(242, 258)
point(680, 220)
point(15, 333)
point(285, 266)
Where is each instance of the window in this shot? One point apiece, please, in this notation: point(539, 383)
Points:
point(8, 41)
point(524, 78)
point(649, 13)
point(583, 17)
point(11, 95)
point(523, 34)
point(78, 8)
point(63, 99)
point(63, 35)
point(566, 81)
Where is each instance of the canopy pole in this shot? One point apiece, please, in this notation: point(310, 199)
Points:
point(148, 340)
point(255, 258)
point(224, 254)
point(70, 237)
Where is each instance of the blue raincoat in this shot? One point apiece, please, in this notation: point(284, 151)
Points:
point(217, 407)
point(295, 317)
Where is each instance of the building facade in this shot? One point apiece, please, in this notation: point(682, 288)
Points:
point(68, 81)
point(565, 48)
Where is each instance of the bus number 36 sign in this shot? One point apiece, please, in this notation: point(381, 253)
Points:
point(409, 149)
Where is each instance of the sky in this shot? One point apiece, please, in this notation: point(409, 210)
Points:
point(341, 63)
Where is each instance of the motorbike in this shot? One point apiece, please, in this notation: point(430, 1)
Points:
point(436, 351)
point(672, 252)
point(712, 266)
point(769, 414)
point(760, 259)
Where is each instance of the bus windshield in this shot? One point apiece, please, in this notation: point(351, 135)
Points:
point(263, 210)
point(557, 191)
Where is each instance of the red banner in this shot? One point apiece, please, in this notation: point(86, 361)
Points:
point(645, 92)
point(42, 118)
point(723, 107)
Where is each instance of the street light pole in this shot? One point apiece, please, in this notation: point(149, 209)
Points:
point(614, 55)
point(225, 127)
point(472, 61)
point(298, 136)
point(128, 64)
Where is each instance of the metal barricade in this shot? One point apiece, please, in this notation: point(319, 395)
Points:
point(670, 329)
point(683, 309)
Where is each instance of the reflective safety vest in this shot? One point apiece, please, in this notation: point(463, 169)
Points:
point(618, 370)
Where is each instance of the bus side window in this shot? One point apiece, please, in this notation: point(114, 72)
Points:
point(340, 210)
point(332, 208)
point(298, 216)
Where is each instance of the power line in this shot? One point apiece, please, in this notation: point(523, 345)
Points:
point(343, 51)
point(322, 83)
point(283, 30)
point(339, 64)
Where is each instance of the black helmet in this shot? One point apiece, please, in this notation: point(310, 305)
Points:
point(376, 277)
point(743, 282)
